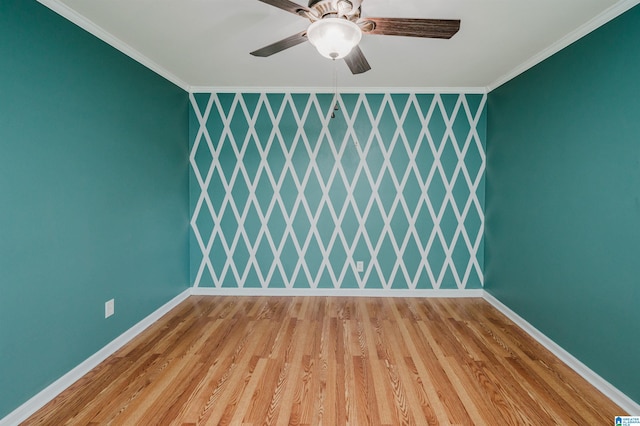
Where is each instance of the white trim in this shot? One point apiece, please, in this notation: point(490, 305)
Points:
point(604, 17)
point(92, 28)
point(343, 90)
point(47, 394)
point(50, 392)
point(351, 292)
point(589, 375)
point(89, 26)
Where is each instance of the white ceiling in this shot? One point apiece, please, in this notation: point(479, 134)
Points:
point(206, 43)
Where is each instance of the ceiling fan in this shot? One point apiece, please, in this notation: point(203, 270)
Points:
point(337, 26)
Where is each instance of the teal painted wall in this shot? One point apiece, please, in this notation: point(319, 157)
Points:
point(563, 199)
point(283, 196)
point(93, 196)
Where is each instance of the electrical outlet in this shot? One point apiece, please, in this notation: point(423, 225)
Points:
point(109, 308)
point(359, 266)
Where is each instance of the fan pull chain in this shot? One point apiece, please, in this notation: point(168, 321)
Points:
point(335, 90)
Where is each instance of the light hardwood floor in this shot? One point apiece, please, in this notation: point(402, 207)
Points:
point(331, 361)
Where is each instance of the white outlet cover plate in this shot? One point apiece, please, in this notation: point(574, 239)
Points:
point(109, 308)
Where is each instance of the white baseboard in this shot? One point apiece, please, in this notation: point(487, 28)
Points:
point(39, 400)
point(355, 292)
point(47, 394)
point(589, 375)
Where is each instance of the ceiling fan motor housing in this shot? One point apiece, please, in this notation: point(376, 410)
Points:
point(347, 9)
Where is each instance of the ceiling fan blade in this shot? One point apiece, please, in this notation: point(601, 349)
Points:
point(411, 27)
point(289, 6)
point(281, 45)
point(356, 61)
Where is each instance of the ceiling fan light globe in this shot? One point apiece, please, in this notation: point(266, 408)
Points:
point(334, 37)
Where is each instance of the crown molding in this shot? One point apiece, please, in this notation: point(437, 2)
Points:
point(89, 26)
point(92, 28)
point(595, 23)
point(341, 90)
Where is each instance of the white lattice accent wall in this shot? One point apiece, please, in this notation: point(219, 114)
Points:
point(284, 196)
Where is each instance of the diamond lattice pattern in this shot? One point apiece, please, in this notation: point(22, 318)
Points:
point(284, 196)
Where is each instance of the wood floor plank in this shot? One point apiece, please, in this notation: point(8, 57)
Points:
point(429, 373)
point(379, 411)
point(419, 386)
point(323, 383)
point(330, 361)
